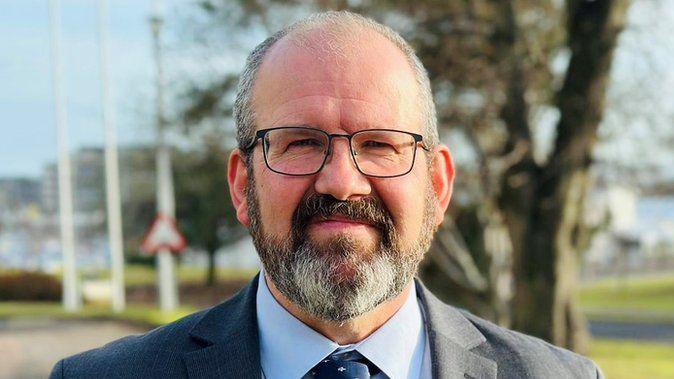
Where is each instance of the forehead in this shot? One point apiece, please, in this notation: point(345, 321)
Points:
point(354, 81)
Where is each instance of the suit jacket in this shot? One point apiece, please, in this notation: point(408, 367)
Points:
point(222, 342)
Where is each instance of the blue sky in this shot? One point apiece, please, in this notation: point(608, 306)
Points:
point(27, 128)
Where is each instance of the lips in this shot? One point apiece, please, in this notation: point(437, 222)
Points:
point(325, 213)
point(339, 220)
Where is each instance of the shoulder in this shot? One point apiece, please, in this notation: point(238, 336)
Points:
point(159, 353)
point(152, 354)
point(514, 355)
point(526, 356)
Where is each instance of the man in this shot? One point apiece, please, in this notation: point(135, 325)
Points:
point(342, 181)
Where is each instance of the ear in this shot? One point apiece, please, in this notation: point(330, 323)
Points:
point(443, 180)
point(237, 177)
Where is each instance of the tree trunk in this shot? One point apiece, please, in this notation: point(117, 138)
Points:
point(211, 276)
point(550, 198)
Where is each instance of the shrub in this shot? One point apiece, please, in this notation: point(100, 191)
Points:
point(29, 286)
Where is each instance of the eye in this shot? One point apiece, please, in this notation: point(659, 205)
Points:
point(304, 145)
point(305, 142)
point(375, 144)
point(371, 144)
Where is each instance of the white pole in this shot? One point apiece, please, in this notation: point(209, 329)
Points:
point(168, 292)
point(111, 168)
point(71, 299)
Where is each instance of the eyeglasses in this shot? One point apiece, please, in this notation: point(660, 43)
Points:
point(301, 151)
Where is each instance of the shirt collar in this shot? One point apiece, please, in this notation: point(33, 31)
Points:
point(397, 347)
point(289, 348)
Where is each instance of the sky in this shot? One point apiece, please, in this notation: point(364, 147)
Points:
point(27, 125)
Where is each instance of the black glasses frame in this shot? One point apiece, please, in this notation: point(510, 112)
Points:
point(260, 134)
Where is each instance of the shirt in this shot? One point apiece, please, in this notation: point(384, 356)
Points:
point(289, 348)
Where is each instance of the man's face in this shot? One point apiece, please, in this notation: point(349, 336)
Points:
point(339, 243)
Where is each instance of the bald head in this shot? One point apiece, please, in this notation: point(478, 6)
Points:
point(344, 42)
point(336, 36)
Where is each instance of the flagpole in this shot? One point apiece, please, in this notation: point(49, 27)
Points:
point(111, 169)
point(71, 299)
point(168, 292)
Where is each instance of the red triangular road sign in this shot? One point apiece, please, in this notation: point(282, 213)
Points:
point(163, 234)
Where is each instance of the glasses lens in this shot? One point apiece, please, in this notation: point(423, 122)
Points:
point(295, 151)
point(384, 153)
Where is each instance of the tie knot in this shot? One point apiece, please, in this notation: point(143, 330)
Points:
point(350, 364)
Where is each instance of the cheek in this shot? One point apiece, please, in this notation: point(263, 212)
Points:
point(278, 196)
point(405, 199)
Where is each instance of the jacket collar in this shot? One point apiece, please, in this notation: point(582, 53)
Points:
point(451, 338)
point(229, 336)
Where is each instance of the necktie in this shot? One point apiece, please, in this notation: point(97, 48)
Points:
point(351, 364)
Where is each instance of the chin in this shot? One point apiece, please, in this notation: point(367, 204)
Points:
point(352, 249)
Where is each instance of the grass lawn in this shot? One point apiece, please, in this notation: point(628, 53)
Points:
point(138, 274)
point(135, 275)
point(142, 314)
point(646, 299)
point(631, 359)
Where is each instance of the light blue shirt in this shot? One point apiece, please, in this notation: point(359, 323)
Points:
point(289, 348)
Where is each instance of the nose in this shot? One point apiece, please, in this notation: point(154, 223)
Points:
point(340, 177)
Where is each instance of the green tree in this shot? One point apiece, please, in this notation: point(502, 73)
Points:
point(204, 209)
point(138, 180)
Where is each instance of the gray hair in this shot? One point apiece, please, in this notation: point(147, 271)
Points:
point(244, 114)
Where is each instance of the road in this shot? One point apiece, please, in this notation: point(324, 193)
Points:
point(632, 331)
point(30, 348)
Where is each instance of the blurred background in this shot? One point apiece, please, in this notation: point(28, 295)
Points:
point(558, 114)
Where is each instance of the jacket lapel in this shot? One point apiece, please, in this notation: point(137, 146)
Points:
point(229, 338)
point(230, 343)
point(451, 339)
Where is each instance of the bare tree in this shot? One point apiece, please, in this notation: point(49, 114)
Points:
point(495, 67)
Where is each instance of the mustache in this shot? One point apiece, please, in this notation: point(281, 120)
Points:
point(370, 210)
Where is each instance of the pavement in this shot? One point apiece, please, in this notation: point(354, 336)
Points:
point(30, 348)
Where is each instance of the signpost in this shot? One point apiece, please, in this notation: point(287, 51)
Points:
point(163, 238)
point(168, 293)
point(163, 235)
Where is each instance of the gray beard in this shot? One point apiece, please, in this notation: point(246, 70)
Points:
point(313, 277)
point(341, 279)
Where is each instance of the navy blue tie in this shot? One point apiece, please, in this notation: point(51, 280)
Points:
point(351, 364)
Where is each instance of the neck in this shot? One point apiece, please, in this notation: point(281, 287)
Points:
point(351, 331)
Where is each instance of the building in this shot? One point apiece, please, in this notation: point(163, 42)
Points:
point(631, 233)
point(88, 182)
point(19, 193)
point(50, 189)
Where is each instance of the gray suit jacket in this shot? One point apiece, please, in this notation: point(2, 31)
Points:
point(222, 342)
